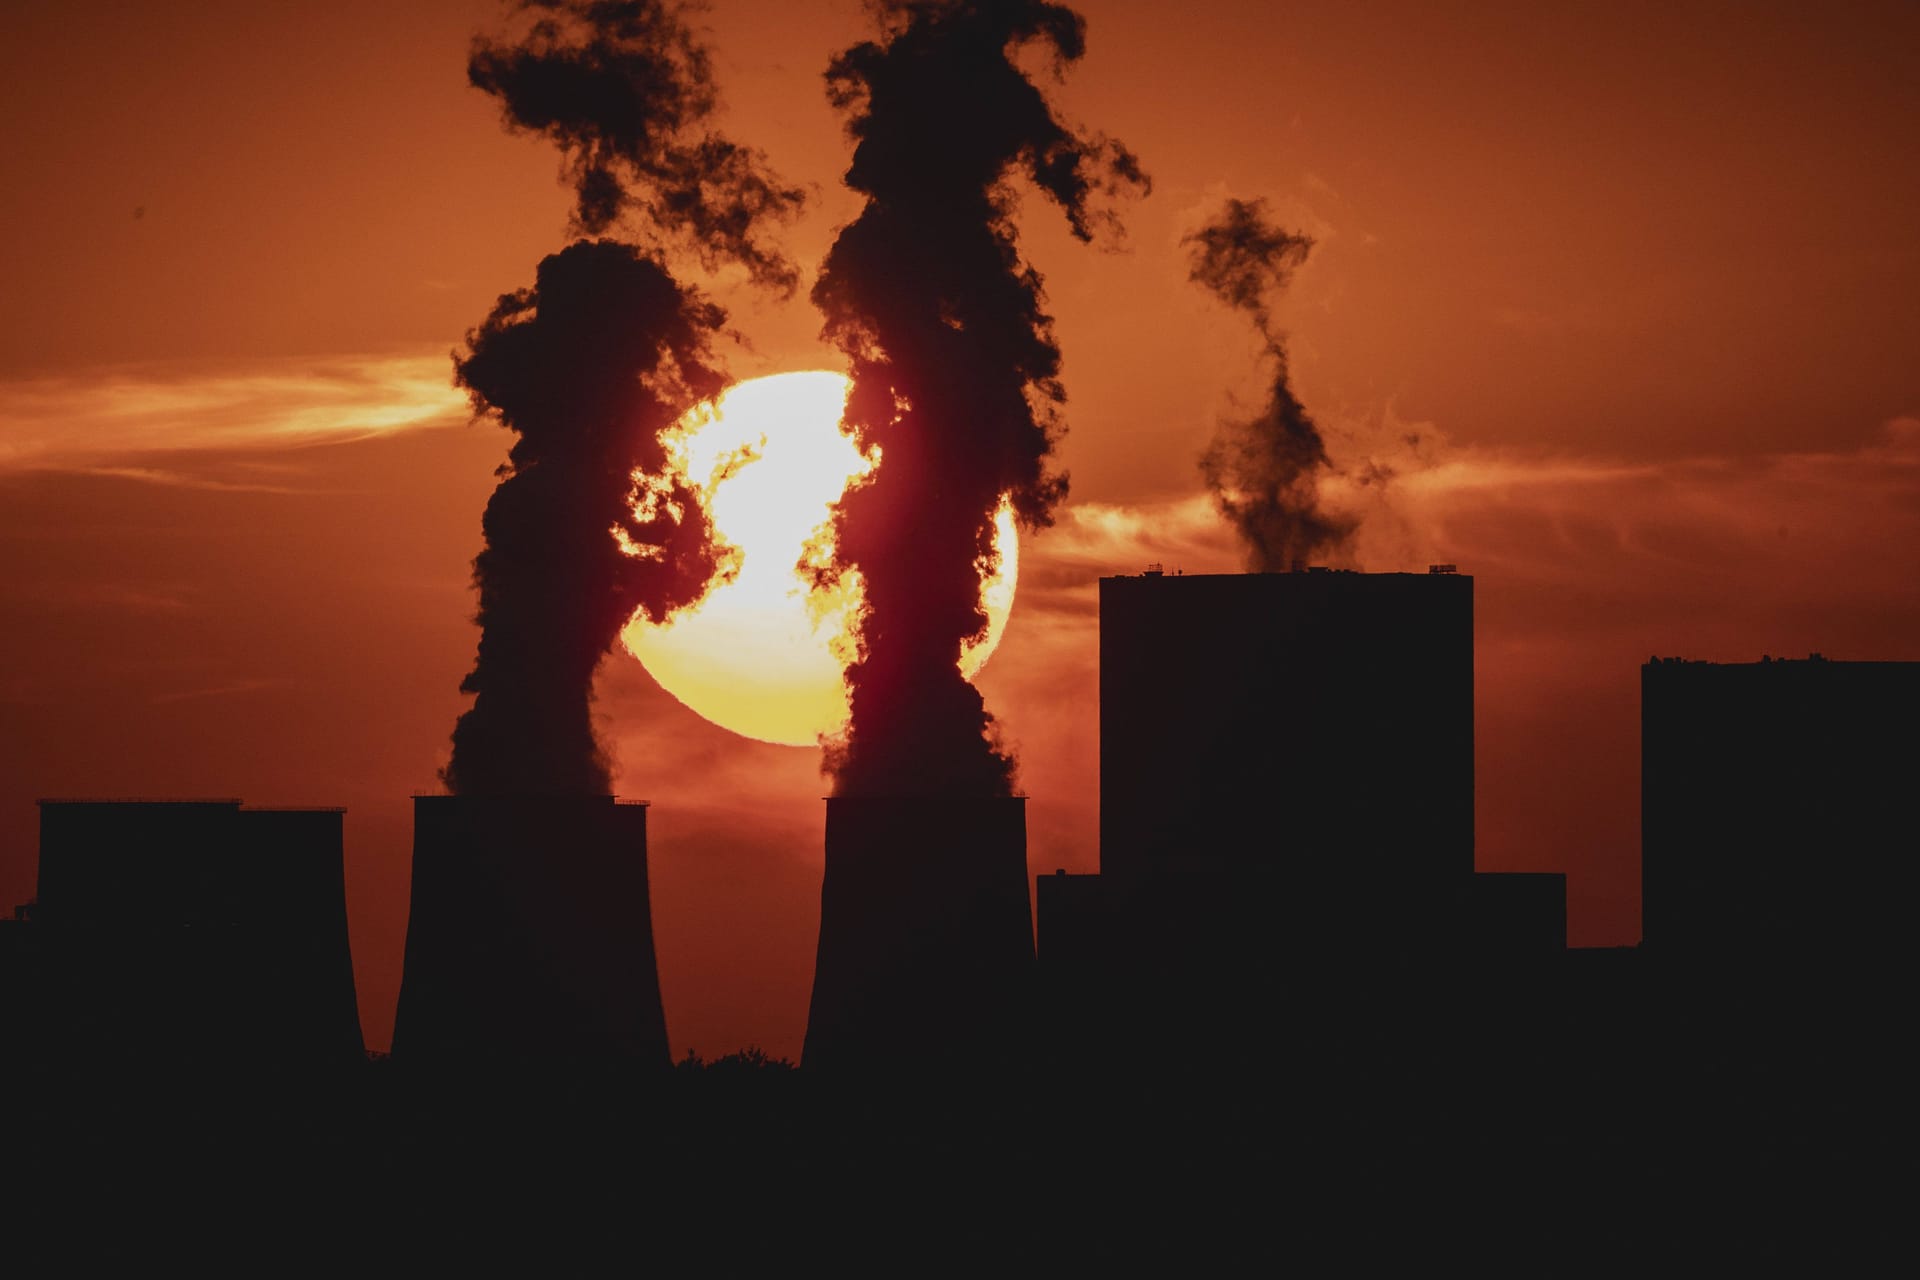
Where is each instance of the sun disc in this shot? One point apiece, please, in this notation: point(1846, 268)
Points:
point(763, 654)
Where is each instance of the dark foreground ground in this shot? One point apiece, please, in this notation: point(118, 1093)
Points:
point(744, 1166)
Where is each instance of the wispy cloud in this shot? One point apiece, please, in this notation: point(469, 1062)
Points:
point(1808, 524)
point(89, 421)
point(171, 479)
point(1809, 521)
point(231, 687)
point(1061, 568)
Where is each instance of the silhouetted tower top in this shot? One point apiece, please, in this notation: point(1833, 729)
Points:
point(182, 861)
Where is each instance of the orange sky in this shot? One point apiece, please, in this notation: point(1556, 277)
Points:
point(1641, 278)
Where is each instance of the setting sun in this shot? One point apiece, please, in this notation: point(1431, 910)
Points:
point(763, 653)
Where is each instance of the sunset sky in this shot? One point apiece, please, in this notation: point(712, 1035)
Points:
point(1626, 296)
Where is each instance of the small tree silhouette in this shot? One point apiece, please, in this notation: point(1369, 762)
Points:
point(749, 1061)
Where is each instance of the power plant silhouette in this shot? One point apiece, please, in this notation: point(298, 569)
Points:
point(1286, 804)
point(1317, 722)
point(530, 935)
point(926, 938)
point(1768, 789)
point(189, 932)
point(1287, 840)
point(1777, 843)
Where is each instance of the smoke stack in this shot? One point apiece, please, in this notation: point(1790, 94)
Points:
point(926, 936)
point(530, 938)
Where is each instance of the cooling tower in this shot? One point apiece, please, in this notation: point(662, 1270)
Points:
point(300, 1002)
point(529, 936)
point(926, 936)
point(197, 931)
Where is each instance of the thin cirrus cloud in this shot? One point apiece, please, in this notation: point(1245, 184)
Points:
point(1780, 530)
point(174, 479)
point(94, 422)
point(246, 684)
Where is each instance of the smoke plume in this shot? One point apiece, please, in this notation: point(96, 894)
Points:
point(589, 368)
point(1265, 471)
point(955, 370)
point(623, 88)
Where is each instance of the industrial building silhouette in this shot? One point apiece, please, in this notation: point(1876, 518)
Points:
point(1286, 802)
point(188, 932)
point(1287, 842)
point(1777, 862)
point(1777, 806)
point(1317, 722)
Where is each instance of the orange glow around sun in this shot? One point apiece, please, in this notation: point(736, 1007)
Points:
point(763, 653)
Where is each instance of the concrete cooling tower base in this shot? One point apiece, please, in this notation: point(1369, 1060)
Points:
point(530, 936)
point(926, 936)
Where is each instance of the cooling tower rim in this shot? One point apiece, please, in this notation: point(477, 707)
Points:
point(204, 801)
point(928, 797)
point(532, 797)
point(293, 808)
point(1316, 573)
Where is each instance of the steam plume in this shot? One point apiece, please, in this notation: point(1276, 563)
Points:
point(620, 86)
point(589, 367)
point(1265, 471)
point(955, 371)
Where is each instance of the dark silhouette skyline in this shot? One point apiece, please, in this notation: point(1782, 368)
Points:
point(1243, 860)
point(1406, 1014)
point(195, 930)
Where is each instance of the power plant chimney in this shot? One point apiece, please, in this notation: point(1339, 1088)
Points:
point(529, 936)
point(926, 935)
